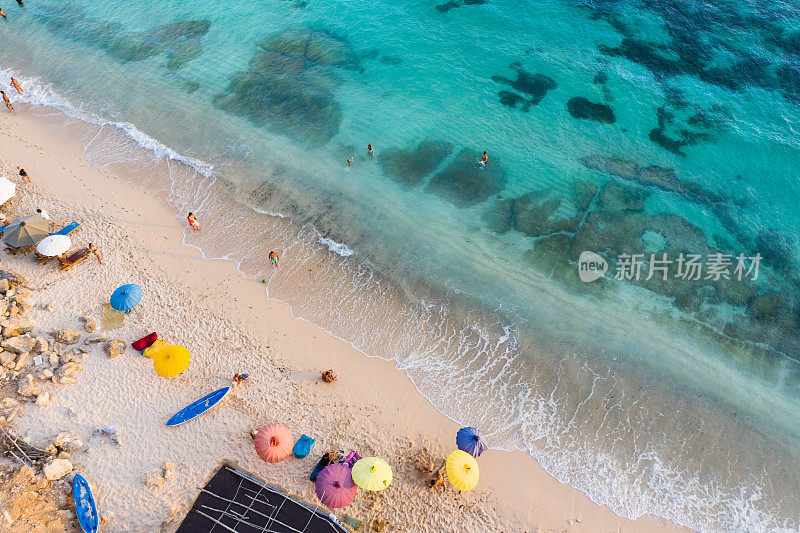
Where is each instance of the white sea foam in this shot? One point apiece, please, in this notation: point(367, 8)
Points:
point(547, 430)
point(37, 92)
point(335, 247)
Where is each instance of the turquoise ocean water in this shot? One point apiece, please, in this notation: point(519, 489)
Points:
point(618, 127)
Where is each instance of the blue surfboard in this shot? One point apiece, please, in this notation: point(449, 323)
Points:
point(197, 408)
point(84, 504)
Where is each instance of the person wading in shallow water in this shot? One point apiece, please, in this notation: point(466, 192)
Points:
point(484, 159)
point(369, 150)
point(15, 84)
point(193, 221)
point(273, 259)
point(7, 101)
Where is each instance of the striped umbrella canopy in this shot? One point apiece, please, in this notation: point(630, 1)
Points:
point(26, 231)
point(54, 245)
point(7, 190)
point(334, 486)
point(470, 440)
point(170, 361)
point(126, 297)
point(462, 470)
point(274, 442)
point(372, 473)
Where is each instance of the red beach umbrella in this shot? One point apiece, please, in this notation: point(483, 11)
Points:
point(274, 442)
point(334, 486)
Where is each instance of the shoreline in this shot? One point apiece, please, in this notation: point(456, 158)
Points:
point(554, 504)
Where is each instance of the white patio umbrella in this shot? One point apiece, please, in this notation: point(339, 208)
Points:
point(53, 245)
point(7, 189)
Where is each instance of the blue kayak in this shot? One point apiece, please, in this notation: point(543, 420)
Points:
point(197, 408)
point(84, 504)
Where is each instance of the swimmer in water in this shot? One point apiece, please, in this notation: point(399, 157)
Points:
point(3, 13)
point(484, 159)
point(273, 258)
point(349, 161)
point(21, 2)
point(7, 101)
point(369, 150)
point(15, 84)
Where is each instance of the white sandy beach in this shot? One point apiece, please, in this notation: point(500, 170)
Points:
point(229, 326)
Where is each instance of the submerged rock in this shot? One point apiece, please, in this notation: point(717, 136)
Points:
point(466, 182)
point(662, 178)
point(534, 86)
point(616, 198)
point(411, 166)
point(289, 84)
point(499, 217)
point(581, 108)
point(544, 212)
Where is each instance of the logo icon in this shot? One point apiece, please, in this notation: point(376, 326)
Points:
point(591, 267)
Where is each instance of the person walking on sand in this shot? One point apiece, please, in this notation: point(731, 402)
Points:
point(484, 159)
point(369, 150)
point(23, 175)
point(7, 101)
point(42, 213)
point(93, 249)
point(193, 222)
point(273, 258)
point(15, 84)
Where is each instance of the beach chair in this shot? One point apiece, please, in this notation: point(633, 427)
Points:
point(3, 229)
point(66, 230)
point(22, 249)
point(74, 259)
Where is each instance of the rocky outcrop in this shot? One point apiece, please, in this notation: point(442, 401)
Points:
point(57, 468)
point(67, 336)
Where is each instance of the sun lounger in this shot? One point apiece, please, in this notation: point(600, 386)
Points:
point(66, 230)
point(22, 249)
point(74, 259)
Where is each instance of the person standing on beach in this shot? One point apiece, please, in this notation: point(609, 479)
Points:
point(273, 258)
point(46, 216)
point(7, 101)
point(369, 150)
point(15, 84)
point(23, 175)
point(193, 222)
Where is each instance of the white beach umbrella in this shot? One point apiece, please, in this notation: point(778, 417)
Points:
point(7, 189)
point(53, 245)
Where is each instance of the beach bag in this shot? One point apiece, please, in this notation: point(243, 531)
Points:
point(144, 342)
point(303, 446)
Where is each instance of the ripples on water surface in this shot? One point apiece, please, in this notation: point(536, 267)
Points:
point(611, 126)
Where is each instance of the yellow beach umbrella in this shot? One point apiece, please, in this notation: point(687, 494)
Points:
point(171, 360)
point(372, 473)
point(462, 470)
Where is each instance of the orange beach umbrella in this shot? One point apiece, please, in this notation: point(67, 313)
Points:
point(274, 442)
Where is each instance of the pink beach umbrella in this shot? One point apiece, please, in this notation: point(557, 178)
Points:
point(274, 442)
point(334, 486)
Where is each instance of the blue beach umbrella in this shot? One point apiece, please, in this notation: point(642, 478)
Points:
point(126, 297)
point(470, 440)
